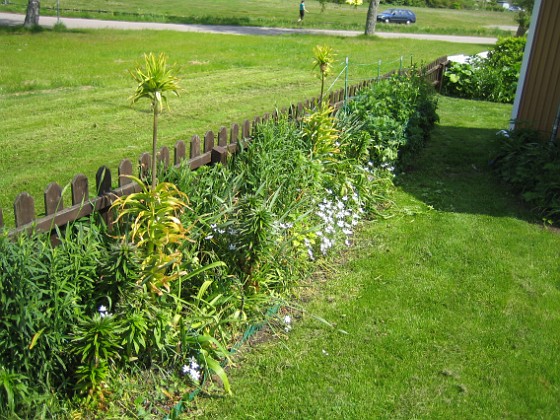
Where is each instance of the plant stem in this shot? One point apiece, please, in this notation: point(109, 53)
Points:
point(154, 147)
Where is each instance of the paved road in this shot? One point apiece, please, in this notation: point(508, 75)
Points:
point(11, 19)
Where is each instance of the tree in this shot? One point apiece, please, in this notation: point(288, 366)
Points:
point(523, 18)
point(371, 17)
point(32, 14)
point(154, 81)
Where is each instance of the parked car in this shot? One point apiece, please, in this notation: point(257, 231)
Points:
point(397, 16)
point(515, 9)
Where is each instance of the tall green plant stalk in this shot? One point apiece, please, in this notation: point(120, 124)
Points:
point(324, 57)
point(154, 80)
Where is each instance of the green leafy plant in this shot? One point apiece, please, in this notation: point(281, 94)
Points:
point(154, 80)
point(493, 78)
point(44, 292)
point(13, 389)
point(398, 113)
point(96, 343)
point(319, 130)
point(156, 230)
point(530, 164)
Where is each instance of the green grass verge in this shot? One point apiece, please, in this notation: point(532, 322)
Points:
point(64, 95)
point(451, 307)
point(273, 13)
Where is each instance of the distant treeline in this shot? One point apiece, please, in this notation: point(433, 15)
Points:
point(442, 4)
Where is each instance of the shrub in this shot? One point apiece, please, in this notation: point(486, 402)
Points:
point(493, 78)
point(531, 164)
point(398, 114)
point(45, 292)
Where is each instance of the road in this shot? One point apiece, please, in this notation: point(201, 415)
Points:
point(12, 19)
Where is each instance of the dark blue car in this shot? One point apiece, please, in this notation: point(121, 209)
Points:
point(397, 16)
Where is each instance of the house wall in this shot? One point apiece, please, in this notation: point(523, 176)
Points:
point(539, 99)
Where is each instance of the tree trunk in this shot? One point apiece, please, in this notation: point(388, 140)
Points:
point(32, 14)
point(523, 19)
point(371, 17)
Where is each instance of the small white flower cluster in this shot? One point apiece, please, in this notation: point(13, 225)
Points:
point(337, 217)
point(288, 323)
point(388, 166)
point(103, 311)
point(230, 232)
point(215, 229)
point(192, 370)
point(279, 226)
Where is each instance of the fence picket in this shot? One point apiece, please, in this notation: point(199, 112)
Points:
point(24, 209)
point(163, 156)
point(246, 133)
point(222, 137)
point(180, 152)
point(234, 134)
point(80, 189)
point(195, 147)
point(125, 171)
point(53, 198)
point(208, 141)
point(103, 180)
point(145, 162)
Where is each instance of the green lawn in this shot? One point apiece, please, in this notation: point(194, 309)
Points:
point(452, 306)
point(64, 96)
point(274, 13)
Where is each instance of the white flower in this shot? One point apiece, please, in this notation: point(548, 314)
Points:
point(326, 353)
point(288, 322)
point(103, 312)
point(192, 370)
point(193, 363)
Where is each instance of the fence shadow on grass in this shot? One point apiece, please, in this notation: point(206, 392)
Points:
point(453, 173)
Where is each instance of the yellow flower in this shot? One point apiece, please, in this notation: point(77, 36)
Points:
point(354, 3)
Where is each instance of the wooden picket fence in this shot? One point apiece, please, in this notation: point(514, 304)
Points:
point(211, 149)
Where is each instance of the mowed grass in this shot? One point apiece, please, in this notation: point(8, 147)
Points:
point(64, 96)
point(276, 13)
point(452, 306)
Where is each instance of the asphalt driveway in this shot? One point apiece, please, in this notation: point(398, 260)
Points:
point(12, 19)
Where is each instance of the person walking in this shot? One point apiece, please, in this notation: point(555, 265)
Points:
point(302, 11)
